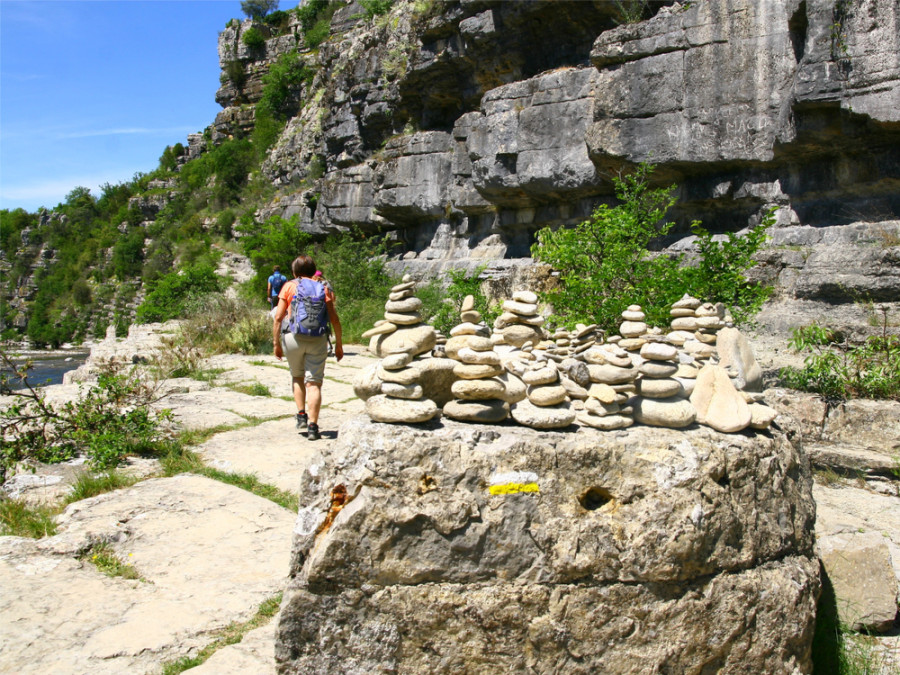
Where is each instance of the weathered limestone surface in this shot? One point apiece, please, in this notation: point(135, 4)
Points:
point(209, 553)
point(513, 537)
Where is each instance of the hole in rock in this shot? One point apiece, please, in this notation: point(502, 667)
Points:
point(797, 27)
point(594, 498)
point(724, 481)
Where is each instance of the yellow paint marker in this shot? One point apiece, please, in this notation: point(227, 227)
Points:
point(513, 482)
point(513, 488)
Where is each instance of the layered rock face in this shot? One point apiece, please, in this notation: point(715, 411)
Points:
point(469, 548)
point(447, 126)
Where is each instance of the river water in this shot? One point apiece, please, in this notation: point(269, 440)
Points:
point(49, 367)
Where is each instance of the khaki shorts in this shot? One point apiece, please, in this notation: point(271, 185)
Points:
point(305, 355)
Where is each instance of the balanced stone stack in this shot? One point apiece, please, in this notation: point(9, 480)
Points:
point(520, 321)
point(559, 345)
point(633, 329)
point(583, 338)
point(480, 392)
point(402, 329)
point(610, 367)
point(402, 399)
point(604, 409)
point(661, 401)
point(547, 405)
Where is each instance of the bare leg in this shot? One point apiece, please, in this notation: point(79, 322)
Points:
point(299, 392)
point(314, 396)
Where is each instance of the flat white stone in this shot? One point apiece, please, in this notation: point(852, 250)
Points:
point(527, 297)
point(403, 319)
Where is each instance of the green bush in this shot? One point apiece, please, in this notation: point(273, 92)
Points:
point(253, 38)
point(308, 12)
point(315, 20)
point(257, 9)
point(375, 8)
point(720, 275)
point(841, 371)
point(605, 263)
point(169, 159)
point(442, 308)
point(107, 422)
point(128, 255)
point(227, 326)
point(170, 296)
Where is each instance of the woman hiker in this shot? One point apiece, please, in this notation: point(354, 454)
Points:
point(306, 353)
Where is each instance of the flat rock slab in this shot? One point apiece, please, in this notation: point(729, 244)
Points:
point(253, 655)
point(220, 407)
point(847, 510)
point(210, 553)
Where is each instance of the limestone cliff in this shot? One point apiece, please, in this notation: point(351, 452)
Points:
point(465, 126)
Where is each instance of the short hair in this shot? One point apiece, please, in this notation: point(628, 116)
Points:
point(276, 268)
point(303, 266)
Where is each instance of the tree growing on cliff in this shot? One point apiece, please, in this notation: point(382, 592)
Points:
point(605, 264)
point(257, 9)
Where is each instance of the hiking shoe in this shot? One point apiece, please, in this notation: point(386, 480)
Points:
point(313, 432)
point(302, 420)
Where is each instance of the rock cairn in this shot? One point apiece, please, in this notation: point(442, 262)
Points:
point(480, 392)
point(547, 404)
point(402, 329)
point(611, 374)
point(662, 401)
point(564, 344)
point(402, 399)
point(520, 322)
point(633, 329)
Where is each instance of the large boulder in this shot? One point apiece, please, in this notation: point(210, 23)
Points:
point(462, 548)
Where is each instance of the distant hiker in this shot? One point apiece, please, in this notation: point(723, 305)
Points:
point(309, 306)
point(276, 281)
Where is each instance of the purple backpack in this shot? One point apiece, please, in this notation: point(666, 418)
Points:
point(309, 315)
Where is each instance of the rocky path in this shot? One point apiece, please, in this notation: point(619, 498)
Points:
point(207, 554)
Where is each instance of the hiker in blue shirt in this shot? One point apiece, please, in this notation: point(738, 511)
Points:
point(276, 281)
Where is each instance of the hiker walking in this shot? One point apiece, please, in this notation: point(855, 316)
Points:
point(309, 306)
point(276, 281)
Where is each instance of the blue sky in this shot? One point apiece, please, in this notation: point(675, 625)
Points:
point(92, 92)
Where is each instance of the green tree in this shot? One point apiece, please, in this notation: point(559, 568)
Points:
point(257, 9)
point(128, 255)
point(253, 38)
point(604, 263)
point(172, 294)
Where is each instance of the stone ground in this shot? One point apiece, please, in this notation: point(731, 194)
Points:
point(208, 553)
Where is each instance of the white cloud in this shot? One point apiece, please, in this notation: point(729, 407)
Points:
point(126, 131)
point(49, 193)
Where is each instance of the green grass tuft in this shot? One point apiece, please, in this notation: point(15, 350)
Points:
point(17, 519)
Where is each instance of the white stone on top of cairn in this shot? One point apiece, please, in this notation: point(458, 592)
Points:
point(686, 302)
point(520, 308)
point(527, 297)
point(383, 327)
point(469, 328)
